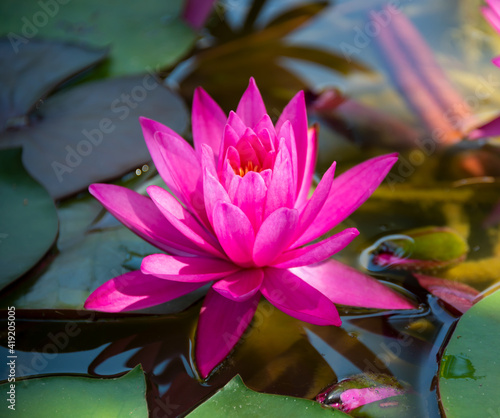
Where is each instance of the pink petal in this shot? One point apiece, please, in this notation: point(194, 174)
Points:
point(492, 128)
point(347, 286)
point(491, 15)
point(265, 123)
point(310, 164)
point(213, 193)
point(296, 298)
point(250, 198)
point(348, 192)
point(287, 133)
point(149, 128)
point(208, 160)
point(208, 121)
point(222, 322)
point(139, 214)
point(315, 253)
point(229, 139)
point(233, 187)
point(266, 138)
point(267, 176)
point(185, 168)
point(183, 221)
point(246, 151)
point(236, 123)
point(280, 192)
point(316, 202)
point(274, 235)
point(196, 12)
point(354, 398)
point(235, 233)
point(135, 290)
point(227, 175)
point(241, 285)
point(295, 112)
point(186, 269)
point(251, 107)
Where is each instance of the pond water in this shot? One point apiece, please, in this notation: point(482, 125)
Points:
point(438, 181)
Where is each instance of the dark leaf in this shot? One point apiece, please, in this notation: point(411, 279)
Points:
point(29, 72)
point(91, 133)
point(304, 12)
point(459, 295)
point(28, 218)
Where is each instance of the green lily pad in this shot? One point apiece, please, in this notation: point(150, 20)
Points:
point(236, 400)
point(28, 218)
point(79, 270)
point(469, 375)
point(147, 34)
point(72, 396)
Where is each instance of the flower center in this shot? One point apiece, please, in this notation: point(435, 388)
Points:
point(241, 171)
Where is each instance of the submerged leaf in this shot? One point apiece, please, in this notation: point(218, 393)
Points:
point(236, 400)
point(30, 71)
point(91, 133)
point(359, 390)
point(458, 295)
point(78, 396)
point(28, 218)
point(427, 248)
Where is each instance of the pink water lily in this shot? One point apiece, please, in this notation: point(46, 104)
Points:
point(241, 218)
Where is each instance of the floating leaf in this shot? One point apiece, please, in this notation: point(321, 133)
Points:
point(469, 375)
point(31, 71)
point(91, 133)
point(458, 295)
point(425, 248)
point(79, 270)
point(72, 396)
point(28, 218)
point(147, 34)
point(236, 400)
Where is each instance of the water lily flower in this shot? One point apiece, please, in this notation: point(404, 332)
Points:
point(491, 13)
point(239, 216)
point(196, 12)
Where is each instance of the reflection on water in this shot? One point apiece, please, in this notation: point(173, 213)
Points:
point(278, 354)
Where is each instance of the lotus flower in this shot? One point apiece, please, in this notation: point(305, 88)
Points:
point(241, 219)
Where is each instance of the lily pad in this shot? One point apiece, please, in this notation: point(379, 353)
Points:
point(91, 133)
point(72, 396)
point(236, 400)
point(28, 218)
point(469, 375)
point(79, 270)
point(148, 34)
point(31, 71)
